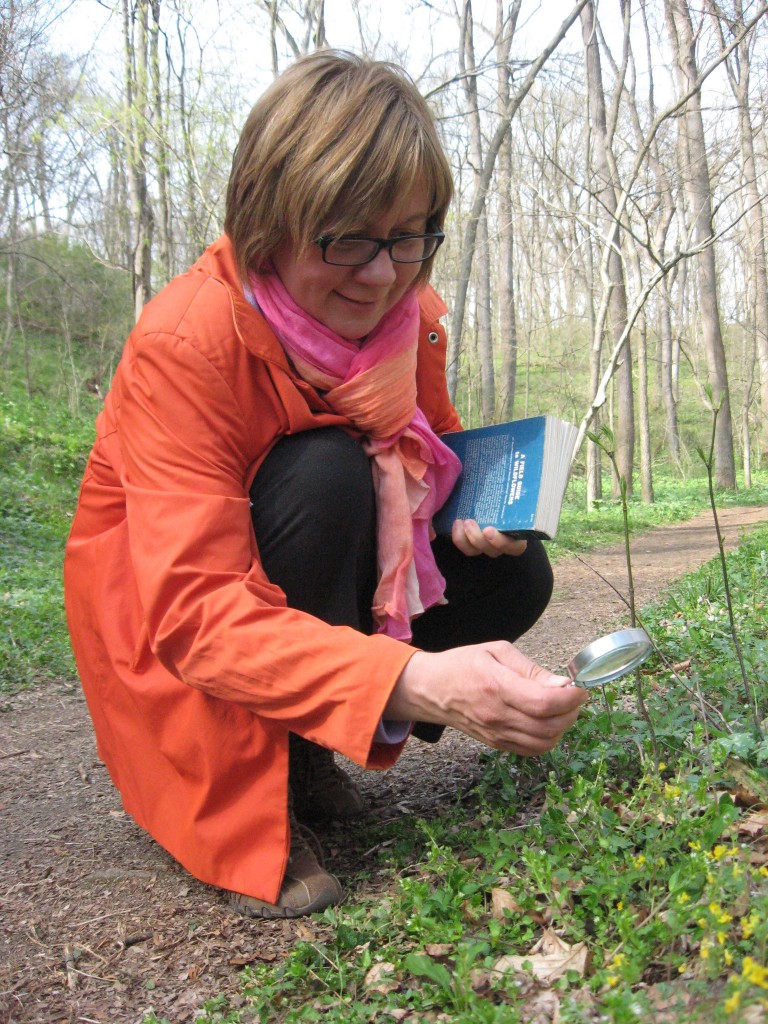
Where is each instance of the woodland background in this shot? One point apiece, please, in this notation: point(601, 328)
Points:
point(606, 254)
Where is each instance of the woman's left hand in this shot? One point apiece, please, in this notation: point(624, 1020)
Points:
point(471, 540)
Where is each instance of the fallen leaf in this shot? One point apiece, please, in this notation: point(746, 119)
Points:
point(752, 786)
point(243, 959)
point(436, 949)
point(381, 978)
point(542, 1008)
point(549, 959)
point(302, 932)
point(502, 902)
point(754, 824)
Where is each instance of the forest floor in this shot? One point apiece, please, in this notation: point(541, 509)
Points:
point(98, 924)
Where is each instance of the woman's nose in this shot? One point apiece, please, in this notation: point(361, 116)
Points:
point(381, 270)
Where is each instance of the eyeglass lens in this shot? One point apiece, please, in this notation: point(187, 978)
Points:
point(350, 252)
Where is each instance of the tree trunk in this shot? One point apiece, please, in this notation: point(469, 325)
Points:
point(135, 41)
point(696, 177)
point(612, 266)
point(482, 254)
point(161, 150)
point(505, 30)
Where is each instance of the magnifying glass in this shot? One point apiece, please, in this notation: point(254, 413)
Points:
point(609, 657)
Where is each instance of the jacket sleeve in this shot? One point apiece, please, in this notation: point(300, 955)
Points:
point(210, 614)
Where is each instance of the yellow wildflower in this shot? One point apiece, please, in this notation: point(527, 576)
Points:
point(662, 766)
point(748, 924)
point(612, 980)
point(639, 861)
point(728, 957)
point(683, 898)
point(732, 1003)
point(672, 792)
point(763, 870)
point(695, 845)
point(721, 937)
point(754, 972)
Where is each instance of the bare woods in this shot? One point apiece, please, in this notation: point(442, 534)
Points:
point(606, 251)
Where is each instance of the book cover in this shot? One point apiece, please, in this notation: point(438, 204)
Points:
point(513, 476)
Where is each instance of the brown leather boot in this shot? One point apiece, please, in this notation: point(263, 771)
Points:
point(321, 790)
point(307, 887)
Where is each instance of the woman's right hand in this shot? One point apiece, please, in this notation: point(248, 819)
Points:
point(489, 691)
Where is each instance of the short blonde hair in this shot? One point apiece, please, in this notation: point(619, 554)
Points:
point(330, 145)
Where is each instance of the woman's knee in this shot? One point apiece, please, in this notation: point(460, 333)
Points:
point(315, 480)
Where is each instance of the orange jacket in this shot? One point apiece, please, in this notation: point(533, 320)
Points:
point(192, 664)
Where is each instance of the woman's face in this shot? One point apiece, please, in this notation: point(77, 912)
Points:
point(351, 300)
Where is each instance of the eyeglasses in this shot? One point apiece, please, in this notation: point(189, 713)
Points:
point(351, 251)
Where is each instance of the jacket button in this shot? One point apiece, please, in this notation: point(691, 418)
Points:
point(433, 337)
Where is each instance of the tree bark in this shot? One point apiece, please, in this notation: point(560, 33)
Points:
point(135, 42)
point(614, 284)
point(695, 170)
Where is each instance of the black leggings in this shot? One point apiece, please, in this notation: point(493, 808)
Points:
point(314, 516)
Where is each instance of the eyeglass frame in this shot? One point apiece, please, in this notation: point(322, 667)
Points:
point(324, 241)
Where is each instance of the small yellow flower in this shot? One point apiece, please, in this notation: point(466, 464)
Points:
point(748, 924)
point(728, 957)
point(710, 877)
point(620, 905)
point(683, 898)
point(619, 960)
point(704, 950)
point(672, 792)
point(639, 861)
point(681, 969)
point(715, 909)
point(754, 972)
point(738, 871)
point(702, 922)
point(662, 766)
point(612, 980)
point(732, 1003)
point(763, 871)
point(695, 845)
point(721, 937)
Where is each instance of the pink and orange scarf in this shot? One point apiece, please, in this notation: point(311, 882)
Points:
point(373, 384)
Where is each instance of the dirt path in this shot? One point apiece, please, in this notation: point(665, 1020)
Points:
point(97, 924)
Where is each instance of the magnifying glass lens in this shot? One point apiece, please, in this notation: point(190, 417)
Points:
point(610, 657)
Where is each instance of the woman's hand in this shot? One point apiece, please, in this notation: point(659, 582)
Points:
point(471, 540)
point(489, 691)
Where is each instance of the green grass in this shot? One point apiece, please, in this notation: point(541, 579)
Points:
point(42, 454)
point(650, 868)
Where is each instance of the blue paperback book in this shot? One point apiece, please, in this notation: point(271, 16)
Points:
point(513, 476)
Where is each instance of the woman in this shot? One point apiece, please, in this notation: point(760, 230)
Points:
point(251, 548)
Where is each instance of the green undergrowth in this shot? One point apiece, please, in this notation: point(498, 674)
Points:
point(629, 887)
point(42, 454)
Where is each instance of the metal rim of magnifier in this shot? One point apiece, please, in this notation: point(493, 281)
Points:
point(610, 657)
